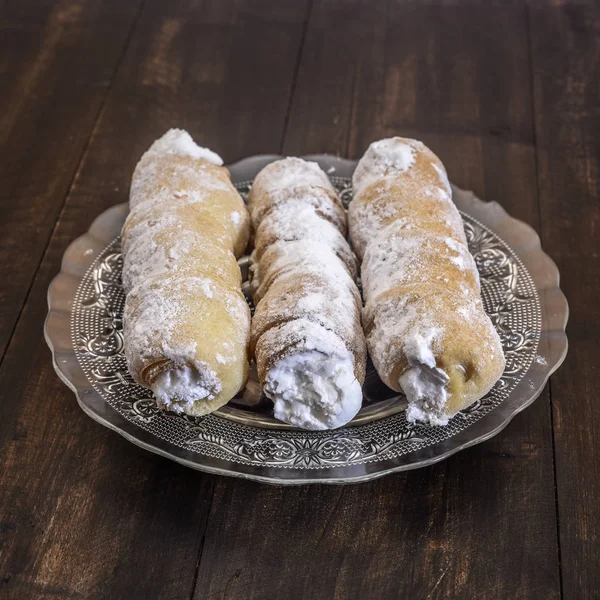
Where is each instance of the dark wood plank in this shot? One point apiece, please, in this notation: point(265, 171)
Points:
point(57, 60)
point(566, 63)
point(85, 514)
point(481, 524)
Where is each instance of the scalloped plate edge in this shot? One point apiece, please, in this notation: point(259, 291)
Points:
point(345, 166)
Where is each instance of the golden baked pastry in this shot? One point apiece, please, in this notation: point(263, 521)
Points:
point(186, 323)
point(427, 332)
point(306, 335)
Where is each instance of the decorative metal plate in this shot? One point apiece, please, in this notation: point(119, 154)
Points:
point(520, 290)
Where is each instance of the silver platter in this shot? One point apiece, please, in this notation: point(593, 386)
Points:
point(520, 290)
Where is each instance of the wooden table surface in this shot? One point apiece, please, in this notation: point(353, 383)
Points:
point(506, 92)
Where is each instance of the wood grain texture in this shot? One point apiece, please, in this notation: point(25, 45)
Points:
point(481, 524)
point(566, 64)
point(85, 514)
point(505, 92)
point(57, 60)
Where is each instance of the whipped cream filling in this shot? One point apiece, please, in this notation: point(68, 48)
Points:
point(178, 388)
point(179, 141)
point(425, 390)
point(314, 391)
point(423, 383)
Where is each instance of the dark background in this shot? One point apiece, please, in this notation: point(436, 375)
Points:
point(506, 92)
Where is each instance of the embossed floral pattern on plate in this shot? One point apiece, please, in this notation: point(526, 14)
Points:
point(510, 299)
point(245, 440)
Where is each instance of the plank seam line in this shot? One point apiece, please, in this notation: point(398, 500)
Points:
point(539, 204)
point(202, 540)
point(73, 179)
point(288, 111)
point(353, 88)
point(352, 108)
point(283, 136)
point(556, 503)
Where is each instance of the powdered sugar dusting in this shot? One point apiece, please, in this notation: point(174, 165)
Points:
point(161, 250)
point(222, 360)
point(315, 266)
point(289, 173)
point(458, 256)
point(207, 288)
point(420, 283)
point(325, 204)
point(306, 331)
point(180, 274)
point(376, 183)
point(178, 141)
point(443, 176)
point(151, 185)
point(311, 302)
point(383, 159)
point(401, 255)
point(300, 335)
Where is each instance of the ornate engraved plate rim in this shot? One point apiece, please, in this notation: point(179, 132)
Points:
point(278, 456)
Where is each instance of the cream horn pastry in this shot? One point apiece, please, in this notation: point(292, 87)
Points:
point(427, 332)
point(186, 324)
point(306, 336)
